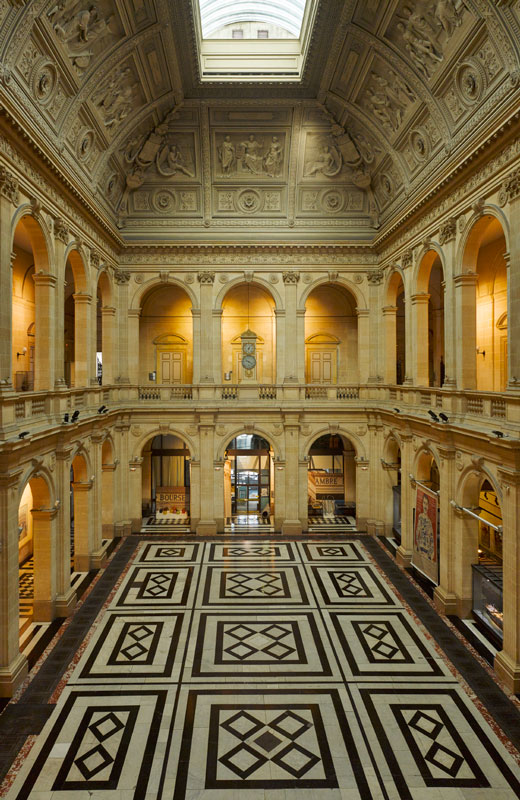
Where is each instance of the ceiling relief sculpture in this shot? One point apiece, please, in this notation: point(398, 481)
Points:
point(394, 94)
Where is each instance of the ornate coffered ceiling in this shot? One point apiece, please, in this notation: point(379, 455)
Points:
point(395, 95)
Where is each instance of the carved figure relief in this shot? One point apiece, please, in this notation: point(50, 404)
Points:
point(325, 159)
point(116, 96)
point(388, 99)
point(170, 161)
point(240, 155)
point(82, 28)
point(424, 29)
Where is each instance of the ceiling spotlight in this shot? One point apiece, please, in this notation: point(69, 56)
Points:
point(397, 410)
point(498, 434)
point(434, 416)
point(443, 416)
point(23, 434)
point(74, 416)
point(101, 410)
point(66, 418)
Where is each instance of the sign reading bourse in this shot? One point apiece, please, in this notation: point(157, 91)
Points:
point(170, 497)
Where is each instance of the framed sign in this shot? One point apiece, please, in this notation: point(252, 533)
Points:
point(425, 551)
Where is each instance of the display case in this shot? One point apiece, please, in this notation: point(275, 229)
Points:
point(487, 597)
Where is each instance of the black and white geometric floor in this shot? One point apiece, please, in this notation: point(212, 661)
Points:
point(275, 670)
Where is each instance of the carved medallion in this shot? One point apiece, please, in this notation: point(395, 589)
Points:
point(44, 80)
point(248, 201)
point(163, 201)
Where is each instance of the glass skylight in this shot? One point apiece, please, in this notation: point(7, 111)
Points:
point(217, 14)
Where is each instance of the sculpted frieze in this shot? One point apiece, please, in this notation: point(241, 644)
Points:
point(83, 29)
point(249, 155)
point(116, 96)
point(387, 97)
point(231, 201)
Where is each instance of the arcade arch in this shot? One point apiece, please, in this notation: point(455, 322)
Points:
point(36, 552)
point(105, 317)
point(77, 322)
point(166, 336)
point(248, 335)
point(391, 463)
point(331, 480)
point(166, 479)
point(395, 330)
point(331, 336)
point(249, 480)
point(429, 317)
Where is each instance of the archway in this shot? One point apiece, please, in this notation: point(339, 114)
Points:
point(108, 467)
point(248, 481)
point(166, 481)
point(430, 367)
point(77, 323)
point(81, 516)
point(166, 337)
point(248, 335)
point(395, 330)
point(484, 346)
point(36, 554)
point(104, 330)
point(331, 336)
point(391, 464)
point(331, 481)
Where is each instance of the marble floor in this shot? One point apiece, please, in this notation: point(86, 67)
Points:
point(273, 670)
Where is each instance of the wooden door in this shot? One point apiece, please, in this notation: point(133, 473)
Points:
point(321, 366)
point(171, 366)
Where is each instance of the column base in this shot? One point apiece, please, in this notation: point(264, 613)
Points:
point(508, 671)
point(82, 563)
point(376, 528)
point(445, 602)
point(206, 527)
point(44, 610)
point(291, 526)
point(13, 675)
point(98, 559)
point(403, 557)
point(66, 603)
point(107, 530)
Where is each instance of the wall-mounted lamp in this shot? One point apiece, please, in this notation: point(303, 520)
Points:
point(217, 469)
point(481, 352)
point(227, 375)
point(24, 351)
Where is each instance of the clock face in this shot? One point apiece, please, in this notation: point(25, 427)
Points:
point(248, 362)
point(248, 347)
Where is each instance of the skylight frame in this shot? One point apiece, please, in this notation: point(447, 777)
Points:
point(254, 60)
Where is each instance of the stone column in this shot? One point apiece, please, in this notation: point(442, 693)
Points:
point(207, 367)
point(108, 315)
point(291, 520)
point(127, 346)
point(195, 313)
point(510, 191)
point(194, 494)
point(218, 494)
point(363, 500)
point(13, 664)
point(507, 661)
point(132, 335)
point(448, 239)
point(61, 238)
point(290, 280)
point(207, 523)
point(280, 344)
point(300, 344)
point(122, 519)
point(45, 314)
point(9, 199)
point(82, 525)
point(465, 330)
point(280, 483)
point(418, 333)
point(404, 551)
point(65, 594)
point(82, 339)
point(303, 492)
point(444, 595)
point(363, 332)
point(107, 500)
point(217, 346)
point(97, 500)
point(408, 339)
point(390, 343)
point(44, 549)
point(135, 496)
point(376, 353)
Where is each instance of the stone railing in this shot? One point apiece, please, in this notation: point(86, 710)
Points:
point(491, 406)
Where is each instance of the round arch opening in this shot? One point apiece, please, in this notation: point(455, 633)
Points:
point(331, 481)
point(249, 481)
point(32, 564)
point(331, 336)
point(166, 480)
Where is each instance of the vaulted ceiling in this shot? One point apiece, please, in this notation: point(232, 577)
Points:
point(395, 95)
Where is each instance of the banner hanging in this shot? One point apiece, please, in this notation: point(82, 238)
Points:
point(425, 555)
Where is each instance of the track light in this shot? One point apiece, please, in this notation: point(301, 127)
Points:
point(498, 434)
point(74, 416)
point(65, 418)
point(434, 416)
point(397, 410)
point(443, 416)
point(23, 434)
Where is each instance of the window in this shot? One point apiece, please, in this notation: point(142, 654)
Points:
point(262, 34)
point(237, 33)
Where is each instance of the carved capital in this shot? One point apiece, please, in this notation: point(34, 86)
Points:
point(291, 277)
point(448, 230)
point(61, 230)
point(206, 277)
point(95, 258)
point(9, 186)
point(510, 188)
point(375, 277)
point(407, 259)
point(121, 276)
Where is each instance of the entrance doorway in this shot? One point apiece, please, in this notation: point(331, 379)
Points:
point(166, 481)
point(331, 483)
point(248, 481)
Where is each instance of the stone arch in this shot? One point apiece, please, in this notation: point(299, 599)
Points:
point(425, 450)
point(78, 265)
point(257, 281)
point(472, 233)
point(394, 276)
point(265, 434)
point(144, 438)
point(166, 308)
point(424, 266)
point(105, 285)
point(81, 452)
point(428, 317)
point(353, 438)
point(42, 487)
point(350, 286)
point(108, 450)
point(471, 479)
point(394, 327)
point(392, 440)
point(39, 237)
point(140, 294)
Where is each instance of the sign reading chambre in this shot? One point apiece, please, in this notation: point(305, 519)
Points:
point(425, 553)
point(172, 500)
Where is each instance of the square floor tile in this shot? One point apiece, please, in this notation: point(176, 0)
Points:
point(129, 647)
point(384, 644)
point(247, 585)
point(95, 741)
point(332, 551)
point(352, 585)
point(267, 740)
point(251, 551)
point(153, 587)
point(431, 737)
point(169, 553)
point(285, 645)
